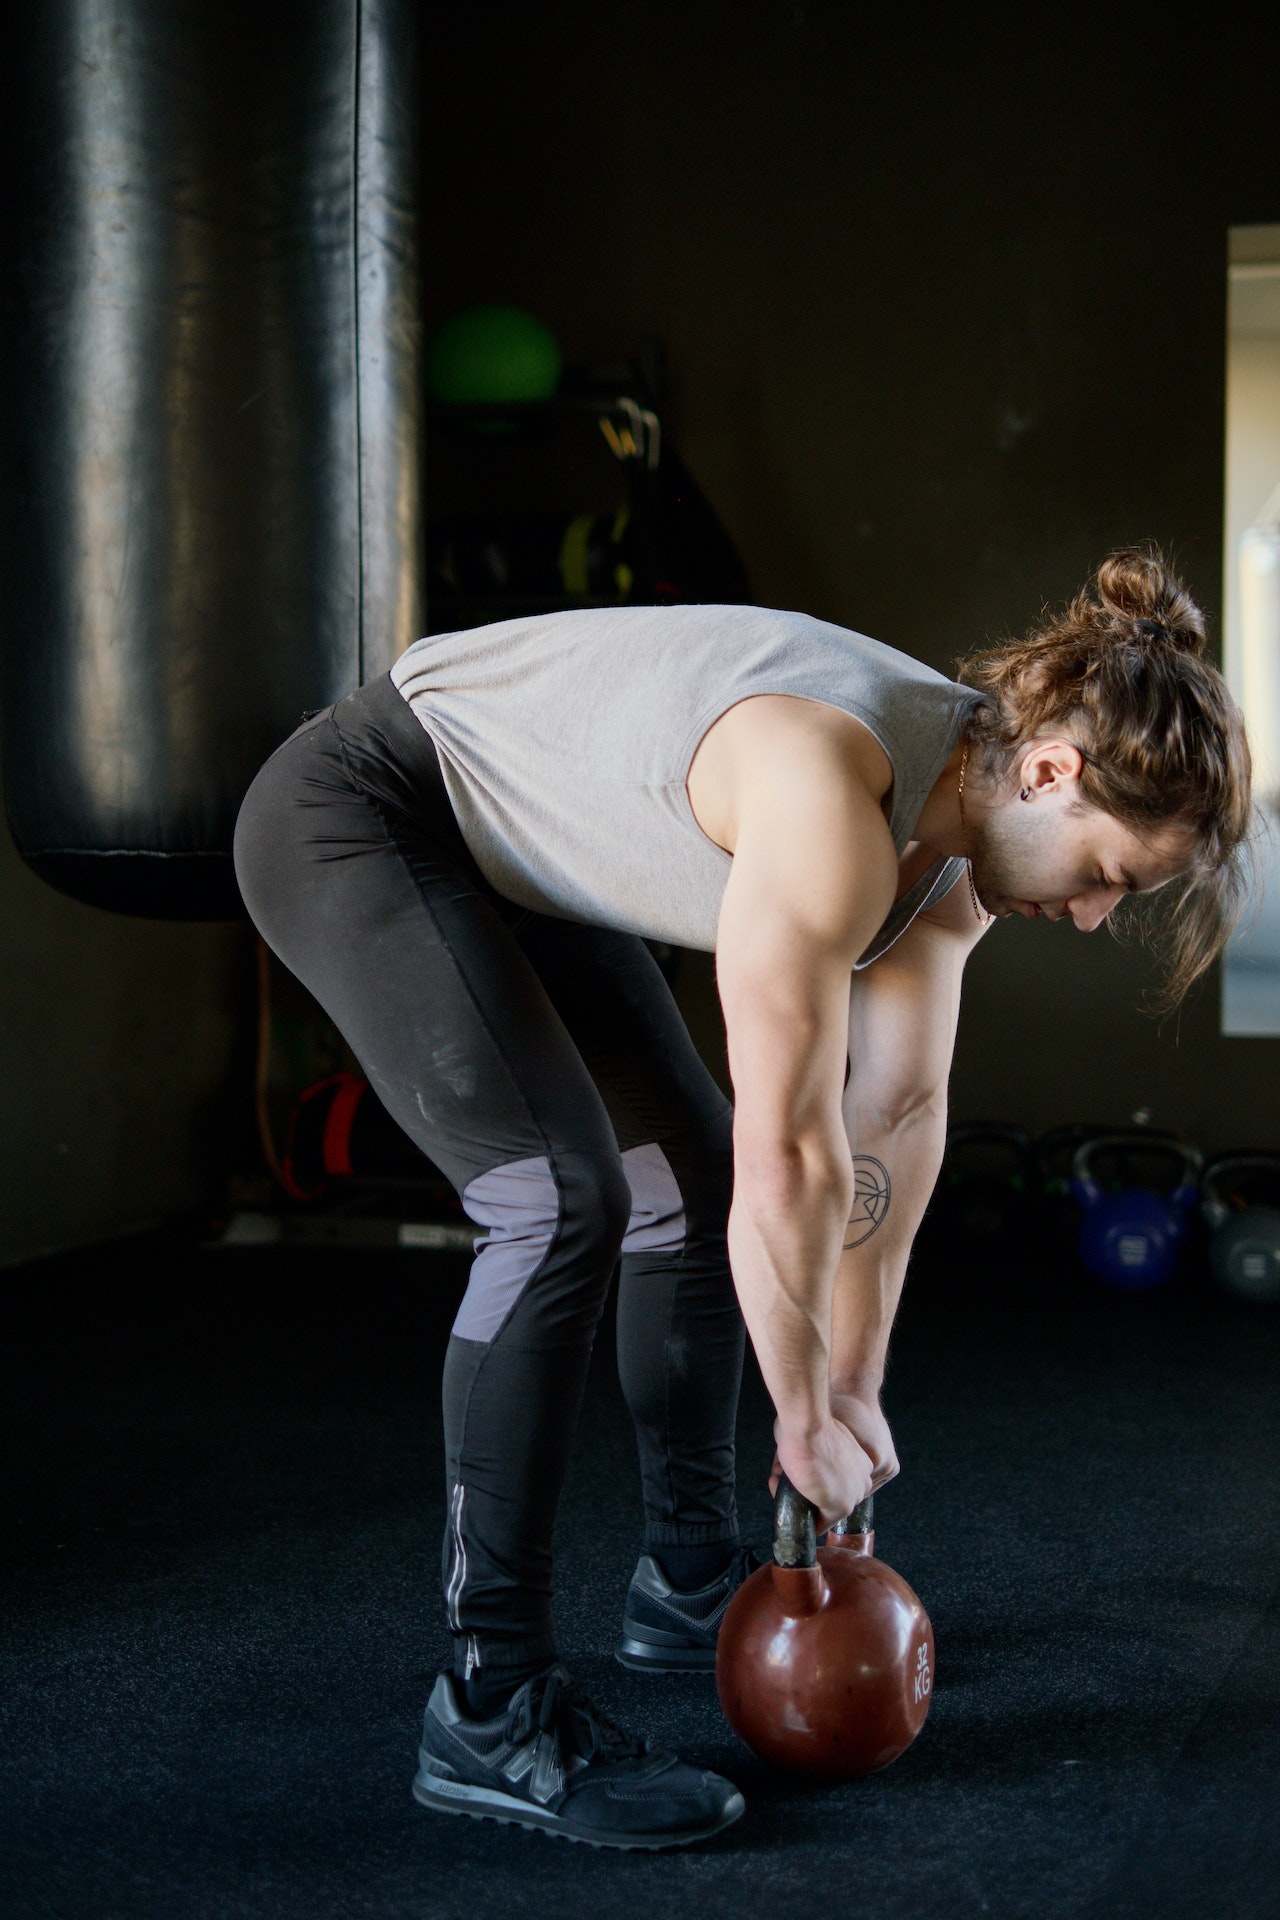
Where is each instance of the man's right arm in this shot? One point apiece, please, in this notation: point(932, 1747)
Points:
point(814, 873)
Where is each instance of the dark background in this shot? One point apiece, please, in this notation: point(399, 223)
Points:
point(942, 294)
point(943, 297)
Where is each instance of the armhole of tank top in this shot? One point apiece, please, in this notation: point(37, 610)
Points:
point(702, 727)
point(934, 883)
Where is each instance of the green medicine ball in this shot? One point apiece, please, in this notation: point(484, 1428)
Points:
point(485, 355)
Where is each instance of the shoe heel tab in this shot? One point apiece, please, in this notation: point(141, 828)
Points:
point(444, 1704)
point(649, 1575)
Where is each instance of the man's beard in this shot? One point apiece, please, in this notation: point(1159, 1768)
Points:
point(1010, 857)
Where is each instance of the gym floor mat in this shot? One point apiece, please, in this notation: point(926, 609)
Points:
point(223, 1510)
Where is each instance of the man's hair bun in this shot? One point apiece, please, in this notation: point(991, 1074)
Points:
point(1142, 600)
point(1122, 672)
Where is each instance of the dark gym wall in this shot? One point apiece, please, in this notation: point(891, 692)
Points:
point(943, 296)
point(124, 1084)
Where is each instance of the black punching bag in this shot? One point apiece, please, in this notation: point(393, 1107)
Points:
point(210, 401)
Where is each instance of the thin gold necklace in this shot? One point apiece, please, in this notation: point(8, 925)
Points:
point(968, 863)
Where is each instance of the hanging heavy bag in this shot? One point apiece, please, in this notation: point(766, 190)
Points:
point(210, 400)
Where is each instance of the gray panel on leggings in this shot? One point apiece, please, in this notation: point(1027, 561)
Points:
point(519, 1208)
point(657, 1207)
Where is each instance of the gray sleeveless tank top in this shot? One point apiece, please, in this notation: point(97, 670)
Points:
point(565, 741)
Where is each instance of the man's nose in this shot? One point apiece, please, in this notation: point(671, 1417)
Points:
point(1089, 910)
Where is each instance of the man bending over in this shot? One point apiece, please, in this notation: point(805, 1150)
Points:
point(463, 861)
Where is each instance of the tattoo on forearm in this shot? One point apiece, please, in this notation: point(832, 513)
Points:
point(872, 1190)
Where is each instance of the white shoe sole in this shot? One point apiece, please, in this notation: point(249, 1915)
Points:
point(487, 1803)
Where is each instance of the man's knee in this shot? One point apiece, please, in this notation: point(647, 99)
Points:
point(596, 1207)
point(680, 1190)
point(553, 1228)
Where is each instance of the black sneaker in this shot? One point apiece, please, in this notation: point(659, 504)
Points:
point(552, 1761)
point(666, 1631)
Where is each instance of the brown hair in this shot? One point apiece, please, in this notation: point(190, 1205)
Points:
point(1121, 671)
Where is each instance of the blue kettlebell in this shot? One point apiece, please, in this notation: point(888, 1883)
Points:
point(1132, 1236)
point(1240, 1205)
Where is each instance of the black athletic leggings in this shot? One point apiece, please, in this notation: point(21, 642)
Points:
point(544, 1067)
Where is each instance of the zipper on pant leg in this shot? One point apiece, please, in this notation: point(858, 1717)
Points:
point(458, 1576)
point(457, 1561)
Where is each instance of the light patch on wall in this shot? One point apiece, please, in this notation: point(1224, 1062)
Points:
point(1251, 600)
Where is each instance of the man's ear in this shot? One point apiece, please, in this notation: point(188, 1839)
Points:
point(1049, 767)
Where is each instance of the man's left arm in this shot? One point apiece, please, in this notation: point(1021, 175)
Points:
point(902, 1027)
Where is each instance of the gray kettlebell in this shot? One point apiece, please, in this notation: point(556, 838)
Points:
point(1240, 1205)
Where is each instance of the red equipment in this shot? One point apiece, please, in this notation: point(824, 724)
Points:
point(825, 1661)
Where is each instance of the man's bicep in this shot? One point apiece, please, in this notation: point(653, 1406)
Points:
point(784, 990)
point(812, 877)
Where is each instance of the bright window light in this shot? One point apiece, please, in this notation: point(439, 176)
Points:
point(1251, 599)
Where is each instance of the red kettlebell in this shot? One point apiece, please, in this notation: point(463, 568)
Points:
point(825, 1663)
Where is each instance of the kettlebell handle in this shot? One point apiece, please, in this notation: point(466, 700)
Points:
point(1188, 1157)
point(996, 1133)
point(1217, 1175)
point(795, 1526)
point(861, 1520)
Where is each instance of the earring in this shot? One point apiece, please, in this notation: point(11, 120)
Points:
point(1025, 794)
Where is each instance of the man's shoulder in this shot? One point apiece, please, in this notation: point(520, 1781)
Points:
point(803, 744)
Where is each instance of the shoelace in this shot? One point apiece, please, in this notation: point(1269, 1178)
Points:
point(744, 1562)
point(560, 1710)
